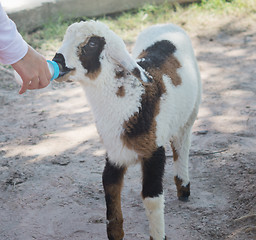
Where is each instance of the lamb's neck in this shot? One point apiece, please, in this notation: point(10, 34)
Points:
point(111, 108)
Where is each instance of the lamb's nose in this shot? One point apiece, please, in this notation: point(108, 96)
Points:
point(60, 60)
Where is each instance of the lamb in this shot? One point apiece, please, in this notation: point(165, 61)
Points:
point(140, 103)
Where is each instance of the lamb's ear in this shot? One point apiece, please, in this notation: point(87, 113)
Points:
point(125, 60)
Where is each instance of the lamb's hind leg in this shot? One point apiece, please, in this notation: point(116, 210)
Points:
point(112, 182)
point(180, 146)
point(152, 193)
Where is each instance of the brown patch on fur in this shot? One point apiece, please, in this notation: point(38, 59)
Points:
point(114, 211)
point(94, 75)
point(80, 47)
point(143, 54)
point(140, 129)
point(182, 191)
point(169, 68)
point(175, 153)
point(119, 74)
point(82, 44)
point(120, 91)
point(112, 182)
point(66, 77)
point(136, 73)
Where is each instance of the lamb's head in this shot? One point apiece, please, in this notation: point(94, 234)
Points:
point(91, 50)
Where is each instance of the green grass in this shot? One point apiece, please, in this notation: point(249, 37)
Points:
point(129, 23)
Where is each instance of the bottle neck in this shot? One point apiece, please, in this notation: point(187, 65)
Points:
point(54, 69)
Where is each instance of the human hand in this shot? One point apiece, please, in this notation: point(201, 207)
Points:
point(33, 70)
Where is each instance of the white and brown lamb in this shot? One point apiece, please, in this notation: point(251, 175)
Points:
point(140, 103)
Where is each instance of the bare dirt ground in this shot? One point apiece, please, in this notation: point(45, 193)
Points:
point(51, 158)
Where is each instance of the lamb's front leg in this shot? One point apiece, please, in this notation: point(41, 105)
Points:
point(152, 193)
point(112, 182)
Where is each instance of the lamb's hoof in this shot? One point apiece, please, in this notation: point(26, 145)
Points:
point(183, 198)
point(112, 238)
point(183, 192)
point(165, 238)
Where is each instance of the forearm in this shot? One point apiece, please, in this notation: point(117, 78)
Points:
point(12, 46)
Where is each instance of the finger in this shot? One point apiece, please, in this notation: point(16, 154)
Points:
point(34, 84)
point(43, 81)
point(24, 87)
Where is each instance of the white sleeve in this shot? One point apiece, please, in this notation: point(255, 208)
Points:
point(12, 46)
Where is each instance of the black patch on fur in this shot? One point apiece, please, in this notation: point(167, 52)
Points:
point(142, 121)
point(90, 54)
point(119, 73)
point(136, 72)
point(153, 172)
point(157, 54)
point(59, 58)
point(112, 174)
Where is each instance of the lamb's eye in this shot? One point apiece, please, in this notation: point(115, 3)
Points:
point(92, 44)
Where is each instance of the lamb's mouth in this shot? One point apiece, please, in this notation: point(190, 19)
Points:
point(64, 70)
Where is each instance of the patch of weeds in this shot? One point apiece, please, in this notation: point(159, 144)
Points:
point(128, 23)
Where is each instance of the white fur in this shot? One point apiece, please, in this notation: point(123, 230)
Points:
point(155, 212)
point(110, 123)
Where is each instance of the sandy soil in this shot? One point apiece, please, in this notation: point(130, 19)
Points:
point(51, 158)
